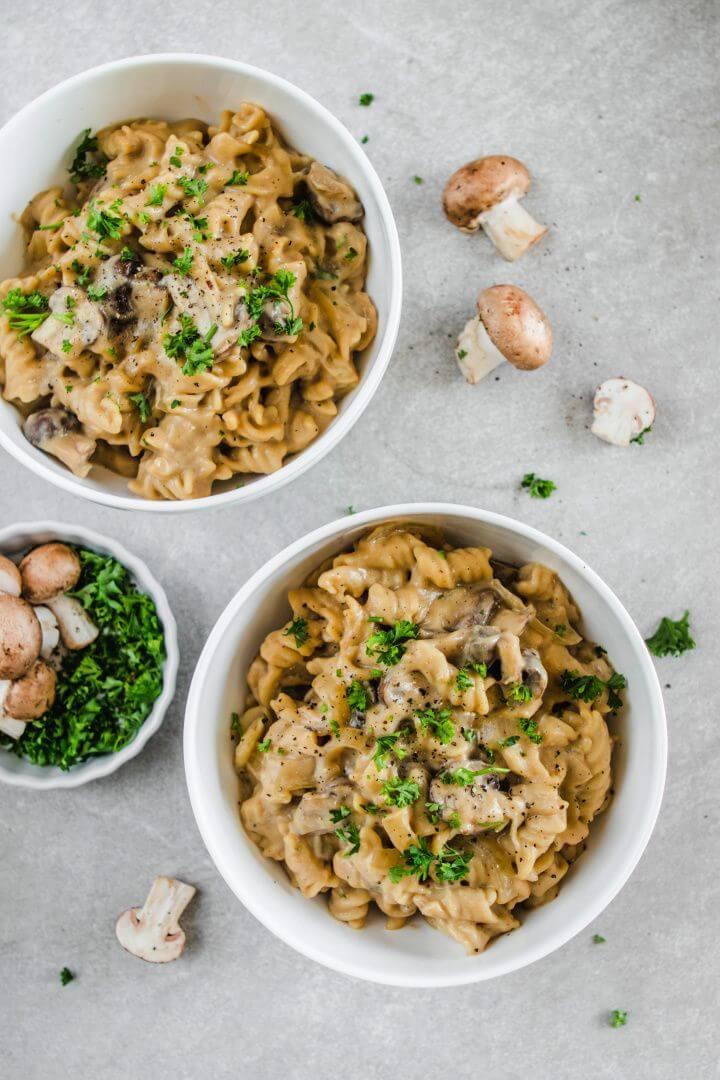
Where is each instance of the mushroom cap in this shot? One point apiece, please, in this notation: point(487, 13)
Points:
point(49, 570)
point(20, 637)
point(622, 411)
point(33, 694)
point(516, 326)
point(10, 580)
point(477, 186)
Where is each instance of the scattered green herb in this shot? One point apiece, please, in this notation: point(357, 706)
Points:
point(589, 687)
point(190, 345)
point(417, 860)
point(672, 637)
point(358, 697)
point(264, 745)
point(388, 645)
point(89, 162)
point(598, 939)
point(538, 488)
point(520, 693)
point(529, 727)
point(349, 834)
point(366, 99)
point(386, 745)
point(640, 439)
point(66, 976)
point(157, 195)
point(183, 263)
point(108, 221)
point(618, 1018)
point(235, 258)
point(298, 630)
point(401, 792)
point(25, 311)
point(96, 292)
point(142, 405)
point(238, 179)
point(193, 188)
point(438, 722)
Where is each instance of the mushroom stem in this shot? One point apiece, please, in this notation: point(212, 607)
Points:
point(476, 355)
point(9, 725)
point(153, 932)
point(510, 227)
point(77, 629)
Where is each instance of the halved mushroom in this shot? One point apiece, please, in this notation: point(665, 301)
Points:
point(49, 570)
point(153, 932)
point(8, 725)
point(20, 637)
point(74, 319)
point(458, 609)
point(623, 411)
point(331, 197)
point(313, 812)
point(77, 630)
point(10, 580)
point(486, 193)
point(58, 432)
point(32, 695)
point(50, 631)
point(509, 326)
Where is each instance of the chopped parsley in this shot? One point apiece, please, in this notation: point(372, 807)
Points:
point(193, 188)
point(340, 814)
point(66, 976)
point(183, 263)
point(349, 834)
point(66, 345)
point(510, 741)
point(277, 288)
point(640, 438)
point(599, 939)
point(538, 488)
point(388, 645)
point(25, 311)
point(589, 687)
point(365, 139)
point(238, 179)
point(463, 777)
point(298, 630)
point(418, 180)
point(520, 693)
point(142, 405)
point(618, 1018)
point(235, 258)
point(96, 292)
point(439, 723)
point(108, 221)
point(190, 345)
point(433, 811)
point(82, 273)
point(128, 255)
point(236, 725)
point(672, 637)
point(89, 162)
point(52, 227)
point(248, 336)
point(174, 403)
point(351, 253)
point(529, 727)
point(417, 860)
point(366, 99)
point(451, 864)
point(358, 697)
point(175, 158)
point(334, 728)
point(461, 354)
point(464, 680)
point(157, 195)
point(401, 792)
point(386, 745)
point(303, 211)
point(106, 691)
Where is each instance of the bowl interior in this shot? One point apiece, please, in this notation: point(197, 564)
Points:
point(41, 143)
point(418, 955)
point(16, 540)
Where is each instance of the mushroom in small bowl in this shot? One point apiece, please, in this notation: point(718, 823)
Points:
point(88, 655)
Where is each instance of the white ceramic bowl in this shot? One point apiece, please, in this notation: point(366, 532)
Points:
point(419, 956)
point(39, 141)
point(15, 539)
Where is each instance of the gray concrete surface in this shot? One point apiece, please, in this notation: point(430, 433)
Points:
point(605, 101)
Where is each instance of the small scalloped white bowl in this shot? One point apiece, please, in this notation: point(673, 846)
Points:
point(418, 956)
point(19, 772)
point(39, 142)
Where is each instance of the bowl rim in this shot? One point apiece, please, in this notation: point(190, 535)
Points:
point(627, 860)
point(41, 778)
point(370, 380)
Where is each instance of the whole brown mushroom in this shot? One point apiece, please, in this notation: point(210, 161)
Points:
point(509, 326)
point(32, 695)
point(486, 194)
point(10, 580)
point(20, 637)
point(48, 571)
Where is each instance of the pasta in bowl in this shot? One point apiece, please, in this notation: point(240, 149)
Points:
point(427, 733)
point(384, 772)
point(193, 324)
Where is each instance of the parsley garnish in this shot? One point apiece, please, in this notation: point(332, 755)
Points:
point(236, 725)
point(142, 404)
point(357, 696)
point(157, 195)
point(349, 834)
point(417, 859)
point(672, 637)
point(264, 745)
point(175, 158)
point(589, 687)
point(401, 792)
point(388, 645)
point(334, 728)
point(183, 263)
point(89, 162)
point(238, 179)
point(107, 222)
point(82, 272)
point(497, 825)
point(510, 741)
point(303, 211)
point(174, 404)
point(598, 939)
point(465, 777)
point(365, 139)
point(298, 629)
point(438, 722)
point(189, 345)
point(366, 99)
point(66, 345)
point(340, 814)
point(618, 1018)
point(539, 489)
point(66, 976)
point(108, 689)
point(529, 727)
point(384, 746)
point(640, 438)
point(277, 288)
point(25, 311)
point(235, 258)
point(96, 292)
point(193, 188)
point(461, 354)
point(433, 811)
point(451, 864)
point(464, 681)
point(52, 227)
point(418, 180)
point(520, 693)
point(248, 336)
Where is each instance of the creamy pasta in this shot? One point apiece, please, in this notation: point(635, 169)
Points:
point(428, 734)
point(191, 311)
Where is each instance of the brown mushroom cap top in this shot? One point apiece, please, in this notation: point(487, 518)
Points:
point(33, 694)
point(49, 570)
point(516, 326)
point(20, 637)
point(481, 184)
point(10, 580)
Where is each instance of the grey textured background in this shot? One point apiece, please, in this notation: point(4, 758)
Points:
point(604, 100)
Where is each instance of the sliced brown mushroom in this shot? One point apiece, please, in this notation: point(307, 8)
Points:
point(58, 432)
point(135, 295)
point(10, 580)
point(32, 695)
point(153, 932)
point(458, 609)
point(20, 637)
point(331, 197)
point(74, 323)
point(623, 411)
point(486, 194)
point(509, 326)
point(313, 812)
point(49, 570)
point(77, 630)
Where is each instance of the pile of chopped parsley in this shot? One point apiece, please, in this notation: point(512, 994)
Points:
point(106, 691)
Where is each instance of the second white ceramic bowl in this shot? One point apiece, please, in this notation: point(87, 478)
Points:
point(39, 142)
point(16, 539)
point(417, 955)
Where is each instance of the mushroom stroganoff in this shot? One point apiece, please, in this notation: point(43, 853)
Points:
point(428, 732)
point(192, 311)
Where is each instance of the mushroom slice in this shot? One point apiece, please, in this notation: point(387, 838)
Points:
point(77, 630)
point(49, 570)
point(10, 580)
point(31, 696)
point(8, 725)
point(509, 326)
point(486, 194)
point(153, 932)
point(58, 432)
point(20, 637)
point(332, 198)
point(622, 411)
point(534, 674)
point(510, 656)
point(73, 319)
point(50, 631)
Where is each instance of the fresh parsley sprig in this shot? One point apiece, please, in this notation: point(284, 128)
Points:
point(537, 487)
point(672, 637)
point(25, 311)
point(388, 646)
